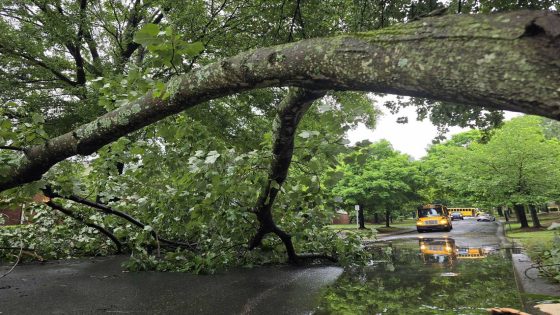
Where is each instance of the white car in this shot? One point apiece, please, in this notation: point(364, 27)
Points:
point(485, 217)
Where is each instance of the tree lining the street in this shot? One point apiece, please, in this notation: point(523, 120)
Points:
point(380, 180)
point(517, 168)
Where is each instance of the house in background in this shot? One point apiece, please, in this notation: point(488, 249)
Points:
point(341, 217)
point(10, 216)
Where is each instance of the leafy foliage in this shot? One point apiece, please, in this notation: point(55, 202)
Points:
point(517, 165)
point(378, 178)
point(193, 177)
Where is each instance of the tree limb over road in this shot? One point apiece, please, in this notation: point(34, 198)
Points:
point(508, 61)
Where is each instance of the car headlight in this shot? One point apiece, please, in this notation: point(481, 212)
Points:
point(444, 221)
point(419, 222)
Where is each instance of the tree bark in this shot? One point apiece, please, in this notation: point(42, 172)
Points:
point(535, 216)
point(521, 217)
point(376, 218)
point(500, 212)
point(508, 61)
point(289, 114)
point(387, 218)
point(361, 219)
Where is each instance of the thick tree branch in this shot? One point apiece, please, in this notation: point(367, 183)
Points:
point(9, 147)
point(506, 61)
point(39, 63)
point(108, 210)
point(73, 47)
point(289, 113)
point(131, 26)
point(78, 218)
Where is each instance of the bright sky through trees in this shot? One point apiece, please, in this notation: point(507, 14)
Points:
point(412, 138)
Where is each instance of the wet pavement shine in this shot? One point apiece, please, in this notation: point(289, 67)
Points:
point(459, 272)
point(98, 286)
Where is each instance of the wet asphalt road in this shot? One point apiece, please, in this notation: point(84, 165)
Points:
point(467, 233)
point(99, 286)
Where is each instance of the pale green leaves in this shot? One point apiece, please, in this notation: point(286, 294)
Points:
point(24, 133)
point(167, 46)
point(212, 157)
point(308, 133)
point(402, 62)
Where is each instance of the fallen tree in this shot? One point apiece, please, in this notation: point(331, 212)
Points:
point(506, 61)
point(289, 113)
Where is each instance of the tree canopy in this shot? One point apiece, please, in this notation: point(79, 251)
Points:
point(155, 121)
point(400, 60)
point(378, 179)
point(517, 165)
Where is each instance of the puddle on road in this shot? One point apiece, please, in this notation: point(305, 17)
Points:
point(426, 276)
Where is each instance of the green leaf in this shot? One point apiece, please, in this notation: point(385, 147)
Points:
point(274, 184)
point(148, 35)
point(5, 124)
point(169, 31)
point(159, 89)
point(192, 49)
point(37, 118)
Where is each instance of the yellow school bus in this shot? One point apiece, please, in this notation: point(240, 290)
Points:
point(470, 253)
point(433, 217)
point(466, 212)
point(438, 250)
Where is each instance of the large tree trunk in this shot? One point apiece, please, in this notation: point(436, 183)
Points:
point(521, 217)
point(534, 216)
point(376, 218)
point(500, 212)
point(289, 114)
point(505, 61)
point(387, 218)
point(361, 219)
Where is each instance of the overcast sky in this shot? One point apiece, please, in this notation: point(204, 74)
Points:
point(412, 138)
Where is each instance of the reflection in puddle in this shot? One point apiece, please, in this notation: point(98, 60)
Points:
point(426, 276)
point(444, 251)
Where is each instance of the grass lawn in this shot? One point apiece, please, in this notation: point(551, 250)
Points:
point(535, 241)
point(545, 218)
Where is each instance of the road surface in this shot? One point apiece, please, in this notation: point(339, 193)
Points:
point(99, 286)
